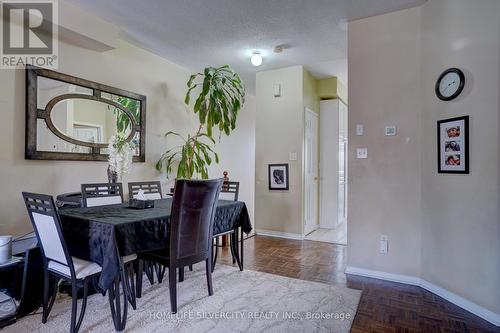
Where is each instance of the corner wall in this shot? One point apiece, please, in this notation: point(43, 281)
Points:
point(460, 240)
point(385, 190)
point(443, 229)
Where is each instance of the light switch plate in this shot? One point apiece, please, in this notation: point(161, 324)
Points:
point(292, 156)
point(360, 129)
point(384, 244)
point(277, 90)
point(390, 131)
point(361, 152)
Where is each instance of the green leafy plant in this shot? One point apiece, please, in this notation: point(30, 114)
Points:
point(222, 94)
point(122, 119)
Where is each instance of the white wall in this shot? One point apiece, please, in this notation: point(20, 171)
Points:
point(279, 131)
point(460, 240)
point(443, 229)
point(126, 67)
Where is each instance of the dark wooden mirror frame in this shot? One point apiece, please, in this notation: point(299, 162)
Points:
point(33, 113)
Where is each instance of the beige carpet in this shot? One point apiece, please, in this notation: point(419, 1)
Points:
point(245, 301)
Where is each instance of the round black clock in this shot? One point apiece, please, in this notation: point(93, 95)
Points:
point(450, 84)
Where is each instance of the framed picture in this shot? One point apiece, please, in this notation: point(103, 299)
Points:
point(453, 145)
point(278, 177)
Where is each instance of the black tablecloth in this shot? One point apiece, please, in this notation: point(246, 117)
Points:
point(103, 234)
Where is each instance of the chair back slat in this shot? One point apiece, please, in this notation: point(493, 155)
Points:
point(230, 191)
point(101, 194)
point(45, 221)
point(152, 190)
point(193, 210)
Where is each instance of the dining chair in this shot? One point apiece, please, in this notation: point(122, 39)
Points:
point(57, 261)
point(191, 225)
point(101, 194)
point(152, 190)
point(229, 191)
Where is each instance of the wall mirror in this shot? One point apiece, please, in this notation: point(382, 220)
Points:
point(68, 118)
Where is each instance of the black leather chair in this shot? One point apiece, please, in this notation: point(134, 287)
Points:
point(191, 226)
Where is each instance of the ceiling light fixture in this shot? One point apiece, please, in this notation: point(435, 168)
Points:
point(256, 59)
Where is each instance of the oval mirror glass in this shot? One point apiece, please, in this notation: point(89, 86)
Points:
point(89, 120)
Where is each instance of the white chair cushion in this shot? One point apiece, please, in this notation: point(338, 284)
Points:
point(101, 201)
point(129, 258)
point(83, 268)
point(150, 196)
point(227, 196)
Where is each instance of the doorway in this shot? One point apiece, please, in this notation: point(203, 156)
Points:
point(311, 172)
point(333, 173)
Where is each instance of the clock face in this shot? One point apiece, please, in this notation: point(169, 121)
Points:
point(450, 84)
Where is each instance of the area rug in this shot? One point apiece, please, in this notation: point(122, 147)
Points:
point(247, 301)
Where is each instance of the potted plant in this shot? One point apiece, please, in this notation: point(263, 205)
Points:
point(221, 96)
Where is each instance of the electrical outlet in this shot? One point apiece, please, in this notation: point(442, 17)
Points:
point(384, 244)
point(361, 152)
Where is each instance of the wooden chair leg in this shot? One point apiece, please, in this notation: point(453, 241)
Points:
point(74, 303)
point(118, 309)
point(172, 285)
point(232, 244)
point(216, 252)
point(138, 278)
point(45, 296)
point(160, 272)
point(129, 284)
point(149, 269)
point(181, 274)
point(208, 269)
point(84, 304)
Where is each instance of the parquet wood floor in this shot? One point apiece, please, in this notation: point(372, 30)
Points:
point(385, 307)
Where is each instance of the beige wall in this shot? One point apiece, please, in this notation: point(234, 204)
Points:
point(279, 131)
point(460, 240)
point(126, 67)
point(385, 189)
point(442, 228)
point(310, 93)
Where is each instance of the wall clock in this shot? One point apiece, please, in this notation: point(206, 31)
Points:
point(450, 84)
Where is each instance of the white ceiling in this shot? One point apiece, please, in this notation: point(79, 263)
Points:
point(200, 33)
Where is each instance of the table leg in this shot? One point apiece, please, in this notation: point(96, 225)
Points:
point(242, 241)
point(239, 256)
point(119, 310)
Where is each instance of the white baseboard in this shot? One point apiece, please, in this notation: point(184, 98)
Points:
point(279, 234)
point(465, 304)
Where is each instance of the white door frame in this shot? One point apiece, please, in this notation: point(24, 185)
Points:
point(310, 227)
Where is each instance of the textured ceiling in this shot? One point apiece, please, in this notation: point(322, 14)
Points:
point(198, 33)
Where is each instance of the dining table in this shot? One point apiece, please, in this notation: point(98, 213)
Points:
point(105, 234)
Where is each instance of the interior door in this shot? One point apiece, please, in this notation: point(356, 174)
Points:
point(311, 172)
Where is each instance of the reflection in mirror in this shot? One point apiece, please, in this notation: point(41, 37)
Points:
point(49, 88)
point(48, 141)
point(88, 120)
point(132, 105)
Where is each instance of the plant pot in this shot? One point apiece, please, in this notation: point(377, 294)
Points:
point(5, 248)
